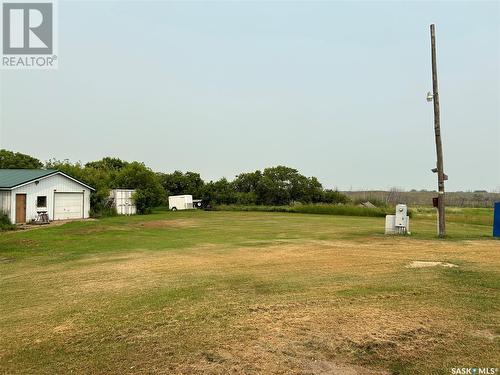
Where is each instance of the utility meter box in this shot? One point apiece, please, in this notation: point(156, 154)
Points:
point(398, 223)
point(401, 215)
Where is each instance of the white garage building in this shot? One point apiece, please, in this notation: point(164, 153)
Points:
point(24, 193)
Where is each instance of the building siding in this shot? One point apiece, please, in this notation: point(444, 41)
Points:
point(5, 202)
point(47, 187)
point(123, 201)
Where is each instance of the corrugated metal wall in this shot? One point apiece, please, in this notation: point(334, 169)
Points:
point(123, 202)
point(5, 202)
point(47, 187)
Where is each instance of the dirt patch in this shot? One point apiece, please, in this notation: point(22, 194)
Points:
point(422, 264)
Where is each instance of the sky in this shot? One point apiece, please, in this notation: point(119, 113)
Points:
point(334, 89)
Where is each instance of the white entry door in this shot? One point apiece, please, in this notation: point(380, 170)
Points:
point(68, 206)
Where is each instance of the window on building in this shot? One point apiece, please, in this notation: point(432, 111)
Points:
point(41, 201)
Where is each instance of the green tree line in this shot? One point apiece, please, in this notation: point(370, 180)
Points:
point(278, 185)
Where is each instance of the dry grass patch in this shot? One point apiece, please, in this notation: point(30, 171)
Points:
point(422, 264)
point(298, 335)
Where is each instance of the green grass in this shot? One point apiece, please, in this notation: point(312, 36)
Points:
point(319, 209)
point(247, 292)
point(479, 216)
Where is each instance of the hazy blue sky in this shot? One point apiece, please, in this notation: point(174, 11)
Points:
point(334, 89)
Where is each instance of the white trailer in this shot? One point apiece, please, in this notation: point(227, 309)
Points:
point(180, 202)
point(123, 202)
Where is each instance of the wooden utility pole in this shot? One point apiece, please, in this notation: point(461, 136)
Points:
point(437, 132)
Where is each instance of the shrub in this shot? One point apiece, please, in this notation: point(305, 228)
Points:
point(145, 200)
point(102, 211)
point(5, 223)
point(334, 196)
point(244, 198)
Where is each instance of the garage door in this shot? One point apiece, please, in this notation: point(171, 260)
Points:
point(68, 206)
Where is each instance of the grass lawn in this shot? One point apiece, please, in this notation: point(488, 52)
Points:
point(248, 293)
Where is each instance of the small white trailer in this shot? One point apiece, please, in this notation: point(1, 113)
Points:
point(122, 200)
point(180, 202)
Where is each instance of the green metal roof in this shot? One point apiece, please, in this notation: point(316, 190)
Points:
point(10, 178)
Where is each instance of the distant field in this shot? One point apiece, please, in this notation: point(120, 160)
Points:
point(249, 293)
point(482, 216)
point(424, 198)
point(464, 215)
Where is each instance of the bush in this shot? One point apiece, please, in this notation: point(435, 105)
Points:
point(5, 223)
point(334, 196)
point(98, 212)
point(146, 200)
point(249, 198)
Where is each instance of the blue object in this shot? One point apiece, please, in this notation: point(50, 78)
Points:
point(496, 220)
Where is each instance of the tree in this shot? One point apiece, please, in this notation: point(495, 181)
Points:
point(73, 169)
point(247, 182)
point(107, 163)
point(278, 185)
point(11, 160)
point(219, 192)
point(149, 192)
point(179, 183)
point(284, 185)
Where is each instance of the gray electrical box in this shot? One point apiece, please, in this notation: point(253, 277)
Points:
point(401, 215)
point(398, 223)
